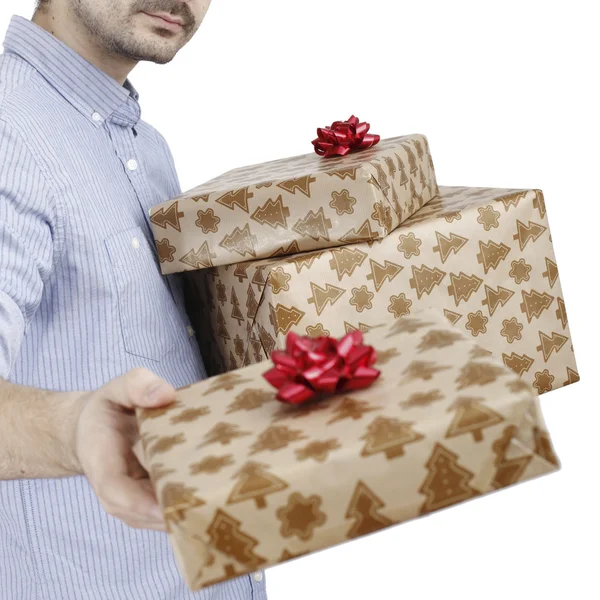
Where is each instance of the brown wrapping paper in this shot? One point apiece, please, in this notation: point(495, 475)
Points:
point(483, 257)
point(246, 482)
point(296, 204)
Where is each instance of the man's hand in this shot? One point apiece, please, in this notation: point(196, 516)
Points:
point(106, 432)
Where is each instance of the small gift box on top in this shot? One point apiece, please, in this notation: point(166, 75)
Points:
point(246, 481)
point(295, 204)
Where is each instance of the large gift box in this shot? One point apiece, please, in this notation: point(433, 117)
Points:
point(483, 257)
point(246, 482)
point(296, 204)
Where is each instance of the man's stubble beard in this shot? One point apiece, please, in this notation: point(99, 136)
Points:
point(116, 36)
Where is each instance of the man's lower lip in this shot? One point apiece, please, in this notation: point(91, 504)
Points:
point(164, 23)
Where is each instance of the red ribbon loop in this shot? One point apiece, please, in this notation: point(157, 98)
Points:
point(343, 137)
point(312, 366)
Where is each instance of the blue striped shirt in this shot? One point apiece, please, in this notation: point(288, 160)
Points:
point(82, 301)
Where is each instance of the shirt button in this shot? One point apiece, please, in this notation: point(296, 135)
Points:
point(135, 243)
point(132, 164)
point(190, 330)
point(96, 117)
point(258, 576)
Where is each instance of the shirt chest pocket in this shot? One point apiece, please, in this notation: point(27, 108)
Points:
point(151, 322)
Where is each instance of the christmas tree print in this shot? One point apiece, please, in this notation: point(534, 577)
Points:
point(364, 508)
point(279, 280)
point(508, 471)
point(203, 197)
point(540, 203)
point(494, 298)
point(346, 260)
point(266, 340)
point(169, 216)
point(240, 241)
point(511, 200)
point(251, 303)
point(419, 149)
point(447, 483)
point(199, 259)
point(422, 399)
point(535, 303)
point(363, 234)
point(412, 159)
point(572, 377)
point(276, 437)
point(236, 313)
point(323, 296)
point(448, 245)
point(254, 482)
point(463, 286)
point(158, 471)
point(551, 344)
point(478, 373)
point(225, 382)
point(350, 173)
point(225, 535)
point(273, 213)
point(527, 233)
point(211, 464)
point(283, 318)
point(403, 175)
point(301, 516)
point(258, 278)
point(237, 198)
point(561, 312)
point(351, 408)
point(389, 436)
point(165, 443)
point(491, 254)
point(471, 417)
point(250, 399)
point(543, 446)
point(177, 499)
point(517, 363)
point(318, 451)
point(314, 225)
point(439, 338)
point(302, 184)
point(222, 329)
point(165, 250)
point(381, 178)
point(241, 271)
point(239, 346)
point(224, 434)
point(453, 317)
point(380, 273)
point(424, 279)
point(221, 292)
point(551, 272)
point(391, 165)
point(189, 415)
point(293, 248)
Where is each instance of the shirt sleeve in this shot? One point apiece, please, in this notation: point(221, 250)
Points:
point(27, 220)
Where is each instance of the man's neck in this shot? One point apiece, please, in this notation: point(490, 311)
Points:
point(80, 41)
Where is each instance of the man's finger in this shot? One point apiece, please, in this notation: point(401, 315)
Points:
point(140, 388)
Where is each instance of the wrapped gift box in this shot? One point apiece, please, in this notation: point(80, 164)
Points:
point(246, 482)
point(483, 257)
point(292, 205)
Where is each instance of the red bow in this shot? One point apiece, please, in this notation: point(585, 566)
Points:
point(343, 137)
point(309, 366)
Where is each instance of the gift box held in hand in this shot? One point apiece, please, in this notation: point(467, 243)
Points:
point(246, 481)
point(296, 204)
point(483, 257)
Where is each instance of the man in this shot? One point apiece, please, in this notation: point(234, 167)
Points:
point(89, 328)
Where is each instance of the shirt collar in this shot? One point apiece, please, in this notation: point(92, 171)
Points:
point(89, 89)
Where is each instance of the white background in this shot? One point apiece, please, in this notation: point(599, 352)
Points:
point(507, 94)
